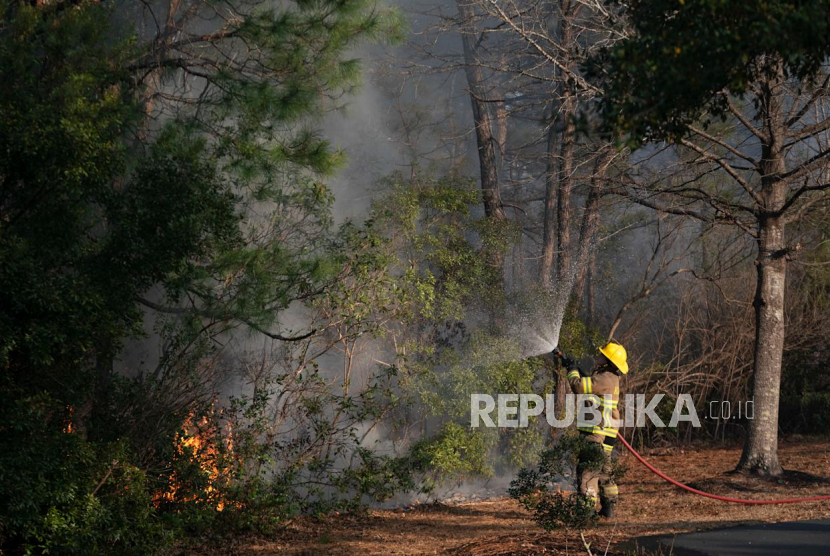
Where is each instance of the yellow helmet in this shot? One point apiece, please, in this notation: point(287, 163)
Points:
point(616, 354)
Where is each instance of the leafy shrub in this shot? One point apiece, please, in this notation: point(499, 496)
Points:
point(275, 473)
point(456, 452)
point(551, 490)
point(805, 413)
point(60, 494)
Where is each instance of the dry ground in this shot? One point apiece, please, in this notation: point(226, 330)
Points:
point(499, 527)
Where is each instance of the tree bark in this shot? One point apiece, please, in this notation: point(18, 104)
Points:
point(586, 240)
point(565, 186)
point(591, 289)
point(501, 119)
point(556, 251)
point(760, 453)
point(590, 219)
point(549, 237)
point(485, 139)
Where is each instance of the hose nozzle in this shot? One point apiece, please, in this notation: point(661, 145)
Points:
point(557, 353)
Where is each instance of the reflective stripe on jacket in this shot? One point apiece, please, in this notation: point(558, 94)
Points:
point(603, 392)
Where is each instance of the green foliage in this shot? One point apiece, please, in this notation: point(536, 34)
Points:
point(81, 240)
point(324, 467)
point(541, 490)
point(681, 55)
point(222, 212)
point(485, 364)
point(60, 494)
point(805, 413)
point(292, 63)
point(561, 510)
point(443, 253)
point(577, 337)
point(454, 453)
point(61, 117)
point(442, 245)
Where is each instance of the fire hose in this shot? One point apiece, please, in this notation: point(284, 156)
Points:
point(715, 496)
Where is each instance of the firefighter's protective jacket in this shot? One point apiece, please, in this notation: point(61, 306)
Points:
point(602, 390)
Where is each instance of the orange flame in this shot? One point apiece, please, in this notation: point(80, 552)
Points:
point(68, 428)
point(198, 445)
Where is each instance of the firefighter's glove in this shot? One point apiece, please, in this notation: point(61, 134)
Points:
point(567, 362)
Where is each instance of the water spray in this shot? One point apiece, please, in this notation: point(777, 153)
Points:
point(537, 321)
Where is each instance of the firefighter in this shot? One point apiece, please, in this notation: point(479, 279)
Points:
point(601, 387)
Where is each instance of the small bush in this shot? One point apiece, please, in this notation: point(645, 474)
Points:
point(455, 452)
point(807, 413)
point(551, 490)
point(60, 494)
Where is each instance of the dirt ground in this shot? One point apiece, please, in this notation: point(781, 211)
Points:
point(648, 506)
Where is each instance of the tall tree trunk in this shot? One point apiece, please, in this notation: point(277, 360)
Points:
point(563, 192)
point(760, 454)
point(591, 293)
point(556, 250)
point(586, 240)
point(549, 235)
point(152, 81)
point(486, 141)
point(590, 219)
point(579, 285)
point(501, 120)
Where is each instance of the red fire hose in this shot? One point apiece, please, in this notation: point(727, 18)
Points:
point(715, 496)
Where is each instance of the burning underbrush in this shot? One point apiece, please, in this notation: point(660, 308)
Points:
point(234, 468)
point(203, 464)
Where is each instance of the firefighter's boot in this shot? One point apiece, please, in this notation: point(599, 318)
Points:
point(607, 510)
point(609, 494)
